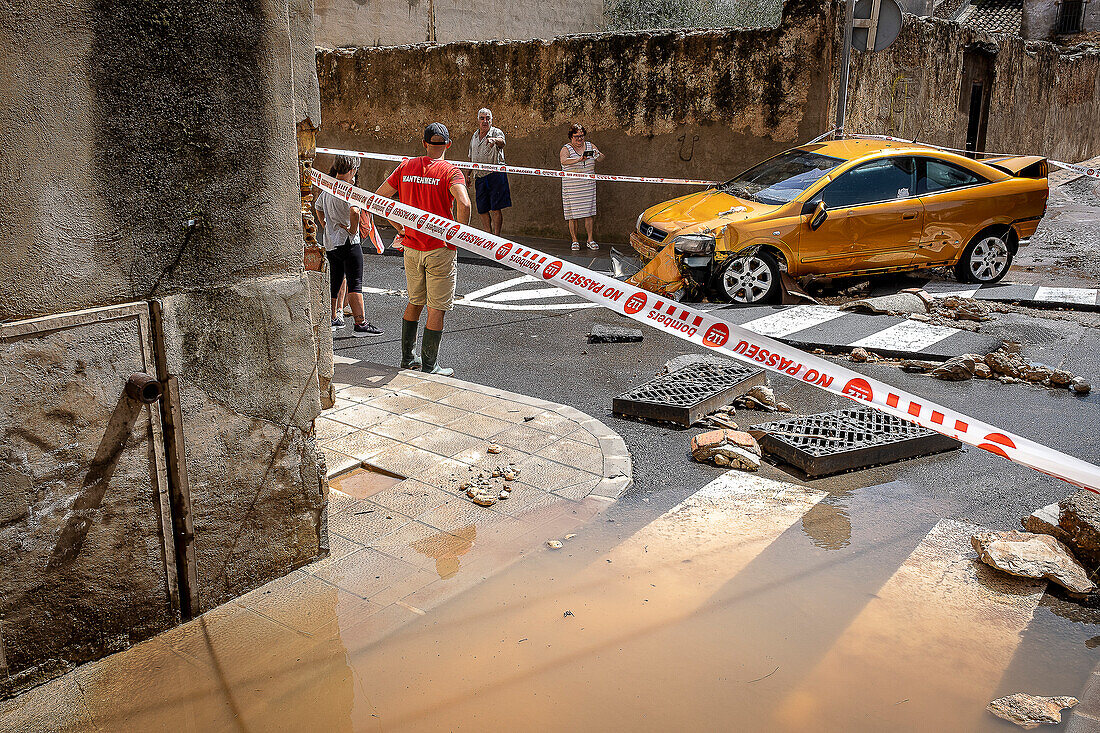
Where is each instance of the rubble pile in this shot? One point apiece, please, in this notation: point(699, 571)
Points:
point(761, 397)
point(1008, 366)
point(482, 489)
point(727, 448)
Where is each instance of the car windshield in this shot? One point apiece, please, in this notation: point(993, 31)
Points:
point(779, 179)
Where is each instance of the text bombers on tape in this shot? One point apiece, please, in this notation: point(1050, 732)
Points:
point(725, 338)
point(550, 173)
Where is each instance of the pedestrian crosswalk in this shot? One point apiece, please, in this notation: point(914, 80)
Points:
point(1043, 295)
point(832, 329)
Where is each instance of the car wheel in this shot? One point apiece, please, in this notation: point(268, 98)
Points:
point(985, 260)
point(751, 279)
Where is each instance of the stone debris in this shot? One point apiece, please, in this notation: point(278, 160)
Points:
point(1031, 711)
point(509, 475)
point(504, 494)
point(760, 397)
point(1007, 366)
point(1028, 555)
point(493, 448)
point(917, 365)
point(905, 302)
point(554, 544)
point(601, 334)
point(1045, 521)
point(1079, 518)
point(963, 309)
point(982, 370)
point(1061, 378)
point(735, 448)
point(858, 289)
point(570, 536)
point(1080, 386)
point(722, 418)
point(955, 369)
point(859, 354)
point(782, 407)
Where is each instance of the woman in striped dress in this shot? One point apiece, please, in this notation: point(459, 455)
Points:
point(578, 196)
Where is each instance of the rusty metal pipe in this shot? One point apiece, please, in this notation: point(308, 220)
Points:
point(144, 388)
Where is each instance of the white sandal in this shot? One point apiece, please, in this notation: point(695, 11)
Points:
point(575, 246)
point(593, 245)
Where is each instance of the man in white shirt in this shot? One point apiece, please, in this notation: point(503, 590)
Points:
point(491, 191)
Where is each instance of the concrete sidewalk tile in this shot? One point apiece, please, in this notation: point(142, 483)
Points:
point(399, 403)
point(363, 523)
point(340, 403)
point(571, 453)
point(507, 410)
point(358, 414)
point(326, 429)
point(444, 474)
point(358, 638)
point(403, 459)
point(458, 514)
point(410, 584)
point(579, 490)
point(612, 488)
point(437, 414)
point(481, 459)
point(551, 422)
point(411, 497)
point(524, 438)
point(365, 573)
point(364, 393)
point(464, 400)
point(524, 498)
point(421, 545)
point(583, 436)
point(304, 606)
point(446, 442)
point(337, 463)
point(338, 546)
point(361, 444)
point(433, 391)
point(338, 501)
point(480, 426)
point(548, 475)
point(401, 428)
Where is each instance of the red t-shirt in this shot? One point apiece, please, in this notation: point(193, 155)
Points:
point(425, 184)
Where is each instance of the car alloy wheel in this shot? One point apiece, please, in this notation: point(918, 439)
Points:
point(752, 279)
point(985, 260)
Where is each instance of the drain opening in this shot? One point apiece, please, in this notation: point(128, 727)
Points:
point(689, 394)
point(365, 481)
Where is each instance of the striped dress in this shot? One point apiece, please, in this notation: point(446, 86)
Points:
point(578, 196)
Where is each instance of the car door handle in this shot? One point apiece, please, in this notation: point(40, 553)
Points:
point(909, 215)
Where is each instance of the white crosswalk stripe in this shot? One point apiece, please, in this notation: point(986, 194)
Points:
point(792, 320)
point(906, 336)
point(1079, 296)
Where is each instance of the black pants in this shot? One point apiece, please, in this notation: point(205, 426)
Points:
point(346, 261)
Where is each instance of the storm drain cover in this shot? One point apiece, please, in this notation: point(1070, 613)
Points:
point(687, 395)
point(848, 439)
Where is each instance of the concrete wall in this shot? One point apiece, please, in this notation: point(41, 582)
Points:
point(157, 161)
point(1043, 102)
point(396, 22)
point(1040, 19)
point(702, 104)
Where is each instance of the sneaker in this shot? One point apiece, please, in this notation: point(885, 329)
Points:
point(575, 246)
point(347, 310)
point(337, 322)
point(593, 245)
point(367, 329)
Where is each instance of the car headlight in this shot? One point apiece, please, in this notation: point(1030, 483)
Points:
point(694, 243)
point(638, 224)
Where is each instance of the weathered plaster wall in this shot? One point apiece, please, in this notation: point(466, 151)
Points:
point(158, 160)
point(395, 22)
point(1038, 19)
point(1043, 102)
point(703, 104)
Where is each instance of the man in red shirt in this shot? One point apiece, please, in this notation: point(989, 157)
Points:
point(431, 265)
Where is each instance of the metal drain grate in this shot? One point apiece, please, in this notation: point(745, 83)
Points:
point(689, 394)
point(848, 439)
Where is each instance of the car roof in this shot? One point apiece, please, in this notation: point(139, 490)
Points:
point(852, 148)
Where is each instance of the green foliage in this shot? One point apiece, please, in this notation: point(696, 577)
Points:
point(635, 15)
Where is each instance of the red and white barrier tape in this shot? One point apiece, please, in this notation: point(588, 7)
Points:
point(523, 171)
point(1084, 170)
point(705, 330)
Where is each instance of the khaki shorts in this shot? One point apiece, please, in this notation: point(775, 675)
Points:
point(431, 277)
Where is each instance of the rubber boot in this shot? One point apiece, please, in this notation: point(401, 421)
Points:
point(409, 359)
point(430, 347)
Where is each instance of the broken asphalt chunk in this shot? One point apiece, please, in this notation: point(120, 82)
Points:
point(601, 334)
point(1031, 711)
point(1028, 555)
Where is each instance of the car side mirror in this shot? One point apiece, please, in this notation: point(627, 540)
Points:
point(819, 217)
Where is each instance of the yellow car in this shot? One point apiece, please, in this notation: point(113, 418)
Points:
point(845, 207)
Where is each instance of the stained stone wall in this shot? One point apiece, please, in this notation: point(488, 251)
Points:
point(693, 104)
point(150, 153)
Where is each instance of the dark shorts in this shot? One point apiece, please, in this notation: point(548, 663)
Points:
point(491, 192)
point(346, 261)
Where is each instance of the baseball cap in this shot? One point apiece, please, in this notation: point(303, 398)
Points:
point(436, 129)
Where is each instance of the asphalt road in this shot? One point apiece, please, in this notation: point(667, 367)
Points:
point(544, 353)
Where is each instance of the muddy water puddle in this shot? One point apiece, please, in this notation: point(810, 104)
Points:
point(777, 609)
